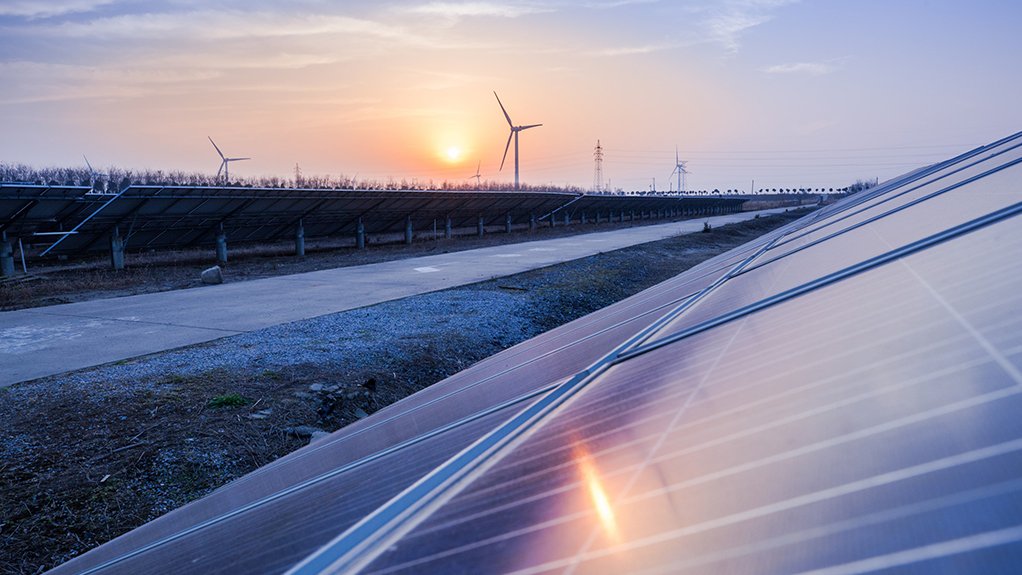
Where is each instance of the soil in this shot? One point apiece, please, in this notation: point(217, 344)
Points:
point(89, 455)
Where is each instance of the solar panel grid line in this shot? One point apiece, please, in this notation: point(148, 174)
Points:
point(901, 474)
point(967, 326)
point(899, 208)
point(916, 246)
point(351, 549)
point(932, 551)
point(211, 522)
point(871, 520)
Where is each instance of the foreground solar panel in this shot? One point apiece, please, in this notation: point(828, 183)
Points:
point(839, 396)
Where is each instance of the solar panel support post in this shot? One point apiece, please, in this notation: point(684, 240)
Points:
point(360, 235)
point(532, 222)
point(6, 256)
point(507, 223)
point(583, 218)
point(408, 230)
point(300, 240)
point(116, 250)
point(567, 219)
point(481, 227)
point(448, 231)
point(221, 245)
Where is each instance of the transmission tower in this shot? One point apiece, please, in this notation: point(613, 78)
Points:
point(598, 168)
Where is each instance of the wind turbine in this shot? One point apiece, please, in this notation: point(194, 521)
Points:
point(514, 134)
point(478, 176)
point(92, 173)
point(224, 164)
point(680, 169)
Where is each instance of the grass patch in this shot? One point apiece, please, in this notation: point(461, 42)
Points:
point(228, 400)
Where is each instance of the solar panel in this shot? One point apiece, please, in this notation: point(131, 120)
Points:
point(170, 216)
point(838, 396)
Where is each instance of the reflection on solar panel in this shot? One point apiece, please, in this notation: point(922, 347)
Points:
point(839, 396)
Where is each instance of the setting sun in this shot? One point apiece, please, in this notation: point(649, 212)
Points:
point(453, 154)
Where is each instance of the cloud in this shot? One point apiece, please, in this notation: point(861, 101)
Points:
point(728, 21)
point(455, 10)
point(810, 68)
point(49, 8)
point(633, 50)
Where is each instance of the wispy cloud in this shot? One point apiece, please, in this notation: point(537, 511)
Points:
point(633, 50)
point(810, 68)
point(728, 21)
point(49, 8)
point(456, 10)
point(221, 24)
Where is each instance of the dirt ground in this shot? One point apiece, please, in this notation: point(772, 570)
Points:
point(87, 456)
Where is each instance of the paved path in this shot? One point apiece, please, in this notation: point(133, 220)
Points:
point(50, 340)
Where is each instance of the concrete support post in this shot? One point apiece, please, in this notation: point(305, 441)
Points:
point(532, 222)
point(6, 256)
point(567, 218)
point(583, 218)
point(631, 216)
point(408, 230)
point(221, 245)
point(481, 227)
point(116, 250)
point(300, 240)
point(507, 223)
point(360, 235)
point(552, 218)
point(448, 233)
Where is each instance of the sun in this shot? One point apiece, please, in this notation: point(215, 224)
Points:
point(453, 154)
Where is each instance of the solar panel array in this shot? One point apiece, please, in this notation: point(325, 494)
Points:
point(157, 217)
point(838, 396)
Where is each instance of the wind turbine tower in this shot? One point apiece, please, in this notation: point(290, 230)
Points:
point(680, 168)
point(225, 161)
point(598, 168)
point(514, 134)
point(478, 176)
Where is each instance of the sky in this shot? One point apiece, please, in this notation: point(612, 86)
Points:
point(786, 93)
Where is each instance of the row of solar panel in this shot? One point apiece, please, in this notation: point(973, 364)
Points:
point(782, 407)
point(151, 217)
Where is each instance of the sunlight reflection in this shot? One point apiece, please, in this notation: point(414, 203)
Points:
point(597, 493)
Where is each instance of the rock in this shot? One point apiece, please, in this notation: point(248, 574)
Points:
point(304, 430)
point(212, 276)
point(262, 414)
point(360, 414)
point(316, 387)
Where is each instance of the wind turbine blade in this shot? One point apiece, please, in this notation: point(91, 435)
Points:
point(221, 170)
point(520, 128)
point(506, 148)
point(478, 166)
point(91, 171)
point(217, 148)
point(509, 122)
point(236, 159)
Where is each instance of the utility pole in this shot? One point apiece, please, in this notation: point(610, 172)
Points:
point(598, 168)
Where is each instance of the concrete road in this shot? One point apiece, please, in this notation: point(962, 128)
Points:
point(56, 339)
